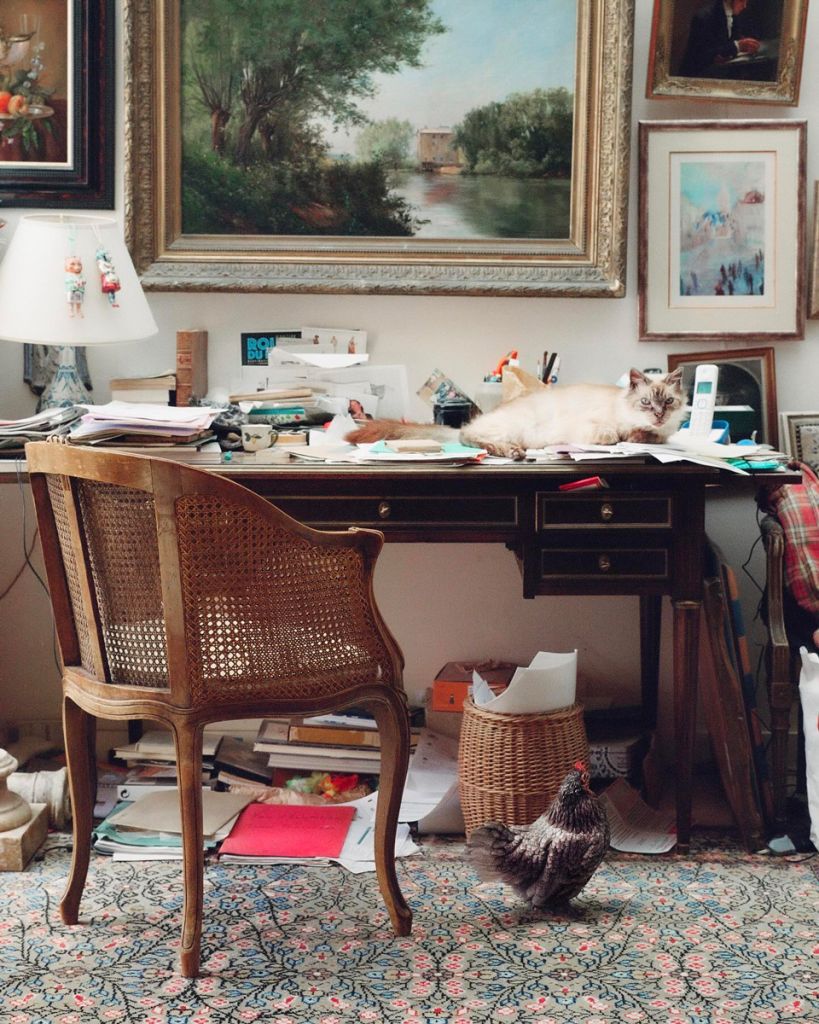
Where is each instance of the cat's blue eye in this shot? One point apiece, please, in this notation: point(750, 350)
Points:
point(645, 401)
point(669, 400)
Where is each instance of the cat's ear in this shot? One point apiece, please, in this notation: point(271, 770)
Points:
point(675, 377)
point(636, 377)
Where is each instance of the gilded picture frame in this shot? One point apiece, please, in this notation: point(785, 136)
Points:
point(722, 213)
point(589, 262)
point(679, 67)
point(747, 377)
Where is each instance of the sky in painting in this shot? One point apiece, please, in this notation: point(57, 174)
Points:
point(492, 48)
point(717, 184)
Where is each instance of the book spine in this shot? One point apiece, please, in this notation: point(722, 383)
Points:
point(334, 736)
point(322, 750)
point(191, 366)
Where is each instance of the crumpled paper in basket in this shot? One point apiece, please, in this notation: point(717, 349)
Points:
point(549, 683)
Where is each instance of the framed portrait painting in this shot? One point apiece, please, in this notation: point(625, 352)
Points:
point(57, 103)
point(722, 213)
point(742, 51)
point(446, 148)
point(746, 389)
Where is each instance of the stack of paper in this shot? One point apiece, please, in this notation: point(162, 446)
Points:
point(42, 425)
point(151, 828)
point(144, 422)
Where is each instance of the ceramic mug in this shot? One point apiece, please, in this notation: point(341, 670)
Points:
point(256, 436)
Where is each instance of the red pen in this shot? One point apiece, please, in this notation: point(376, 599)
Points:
point(586, 482)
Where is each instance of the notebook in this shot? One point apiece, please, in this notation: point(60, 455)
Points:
point(282, 830)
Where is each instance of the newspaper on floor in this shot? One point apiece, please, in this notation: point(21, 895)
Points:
point(636, 827)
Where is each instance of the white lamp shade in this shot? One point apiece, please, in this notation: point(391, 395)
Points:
point(33, 297)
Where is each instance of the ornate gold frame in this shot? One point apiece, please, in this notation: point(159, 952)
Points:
point(591, 262)
point(660, 83)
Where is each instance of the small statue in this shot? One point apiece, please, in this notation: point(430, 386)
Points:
point(109, 278)
point(74, 285)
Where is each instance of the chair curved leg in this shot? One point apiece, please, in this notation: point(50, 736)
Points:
point(188, 740)
point(394, 733)
point(79, 729)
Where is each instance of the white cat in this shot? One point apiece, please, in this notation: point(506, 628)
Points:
point(649, 409)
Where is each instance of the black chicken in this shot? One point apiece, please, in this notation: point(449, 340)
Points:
point(549, 861)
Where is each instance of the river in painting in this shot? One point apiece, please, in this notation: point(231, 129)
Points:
point(485, 206)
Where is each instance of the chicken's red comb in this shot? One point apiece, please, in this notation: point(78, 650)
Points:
point(580, 765)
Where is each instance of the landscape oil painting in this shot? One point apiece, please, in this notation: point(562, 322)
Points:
point(425, 118)
point(724, 228)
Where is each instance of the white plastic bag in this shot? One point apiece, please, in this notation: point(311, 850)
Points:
point(809, 694)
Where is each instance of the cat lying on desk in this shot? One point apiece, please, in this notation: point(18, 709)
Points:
point(648, 410)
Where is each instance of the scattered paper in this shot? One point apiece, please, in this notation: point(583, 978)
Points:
point(549, 683)
point(636, 827)
point(159, 811)
point(322, 360)
point(431, 790)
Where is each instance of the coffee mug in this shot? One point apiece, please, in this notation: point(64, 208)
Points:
point(256, 436)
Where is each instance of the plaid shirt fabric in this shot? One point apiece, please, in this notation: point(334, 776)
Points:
point(796, 506)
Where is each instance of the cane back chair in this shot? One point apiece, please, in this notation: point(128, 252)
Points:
point(183, 598)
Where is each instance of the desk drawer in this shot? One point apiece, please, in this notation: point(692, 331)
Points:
point(611, 562)
point(575, 511)
point(388, 510)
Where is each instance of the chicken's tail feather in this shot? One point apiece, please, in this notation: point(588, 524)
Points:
point(487, 848)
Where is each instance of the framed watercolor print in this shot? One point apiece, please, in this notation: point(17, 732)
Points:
point(695, 53)
point(722, 213)
point(447, 148)
point(57, 103)
point(746, 389)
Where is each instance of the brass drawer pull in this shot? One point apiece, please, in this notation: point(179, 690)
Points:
point(384, 510)
point(606, 511)
point(604, 563)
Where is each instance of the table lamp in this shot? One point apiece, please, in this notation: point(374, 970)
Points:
point(68, 280)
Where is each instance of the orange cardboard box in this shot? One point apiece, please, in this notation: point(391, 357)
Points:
point(450, 687)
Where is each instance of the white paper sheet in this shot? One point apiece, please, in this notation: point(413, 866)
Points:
point(636, 827)
point(549, 683)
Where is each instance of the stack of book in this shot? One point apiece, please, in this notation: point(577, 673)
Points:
point(330, 743)
point(284, 407)
point(158, 390)
point(153, 757)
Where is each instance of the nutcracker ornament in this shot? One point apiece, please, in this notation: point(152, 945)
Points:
point(109, 278)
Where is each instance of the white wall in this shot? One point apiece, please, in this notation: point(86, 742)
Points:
point(444, 602)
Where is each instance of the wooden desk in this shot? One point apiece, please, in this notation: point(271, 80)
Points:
point(643, 536)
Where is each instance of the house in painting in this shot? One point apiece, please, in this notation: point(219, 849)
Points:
point(437, 151)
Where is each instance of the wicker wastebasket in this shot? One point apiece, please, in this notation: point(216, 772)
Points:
point(511, 766)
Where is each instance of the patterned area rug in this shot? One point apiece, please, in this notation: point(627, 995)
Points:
point(718, 938)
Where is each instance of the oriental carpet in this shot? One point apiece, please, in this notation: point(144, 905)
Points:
point(719, 937)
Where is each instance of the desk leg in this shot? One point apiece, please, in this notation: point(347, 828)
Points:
point(650, 620)
point(686, 649)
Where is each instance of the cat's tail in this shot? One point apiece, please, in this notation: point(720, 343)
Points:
point(394, 430)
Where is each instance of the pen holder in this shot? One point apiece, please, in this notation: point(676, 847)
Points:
point(510, 767)
point(453, 412)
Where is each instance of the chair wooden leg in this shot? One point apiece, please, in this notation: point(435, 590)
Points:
point(79, 730)
point(189, 769)
point(394, 732)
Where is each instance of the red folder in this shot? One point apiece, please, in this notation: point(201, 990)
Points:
point(281, 830)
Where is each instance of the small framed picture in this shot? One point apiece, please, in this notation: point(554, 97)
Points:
point(742, 51)
point(722, 215)
point(746, 390)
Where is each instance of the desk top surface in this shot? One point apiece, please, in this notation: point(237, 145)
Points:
point(244, 465)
